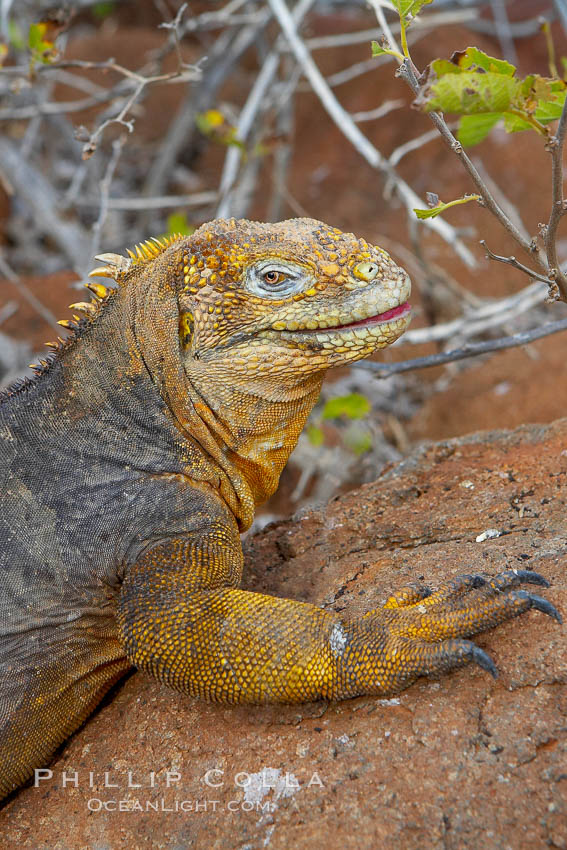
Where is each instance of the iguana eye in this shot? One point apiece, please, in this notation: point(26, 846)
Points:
point(276, 278)
point(272, 276)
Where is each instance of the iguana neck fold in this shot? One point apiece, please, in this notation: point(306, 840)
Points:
point(256, 424)
point(125, 365)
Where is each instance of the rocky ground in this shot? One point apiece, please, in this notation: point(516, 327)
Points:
point(461, 762)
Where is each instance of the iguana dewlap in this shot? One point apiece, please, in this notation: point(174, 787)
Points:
point(132, 461)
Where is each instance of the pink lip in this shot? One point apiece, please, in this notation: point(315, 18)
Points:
point(394, 313)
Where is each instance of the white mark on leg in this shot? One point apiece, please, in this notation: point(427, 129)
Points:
point(338, 640)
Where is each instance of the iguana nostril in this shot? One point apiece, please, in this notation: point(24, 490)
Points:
point(366, 271)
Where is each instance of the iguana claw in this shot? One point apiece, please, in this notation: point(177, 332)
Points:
point(540, 604)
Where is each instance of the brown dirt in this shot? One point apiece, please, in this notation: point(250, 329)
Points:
point(463, 762)
point(513, 388)
point(55, 292)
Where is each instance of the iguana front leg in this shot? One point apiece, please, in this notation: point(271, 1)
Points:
point(182, 619)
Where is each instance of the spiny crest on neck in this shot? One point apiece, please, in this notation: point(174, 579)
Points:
point(116, 268)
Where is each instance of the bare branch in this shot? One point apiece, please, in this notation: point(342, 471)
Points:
point(518, 29)
point(558, 207)
point(8, 310)
point(193, 71)
point(198, 199)
point(41, 198)
point(294, 204)
point(105, 185)
point(221, 18)
point(22, 113)
point(480, 319)
point(398, 154)
point(226, 51)
point(415, 35)
point(423, 22)
point(414, 144)
point(283, 152)
point(76, 81)
point(362, 144)
point(249, 112)
point(174, 28)
point(350, 73)
point(374, 114)
point(32, 110)
point(473, 349)
point(120, 118)
point(512, 261)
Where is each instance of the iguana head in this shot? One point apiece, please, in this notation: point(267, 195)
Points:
point(293, 296)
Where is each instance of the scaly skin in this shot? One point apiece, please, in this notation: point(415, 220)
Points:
point(130, 464)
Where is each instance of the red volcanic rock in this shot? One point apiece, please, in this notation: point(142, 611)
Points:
point(460, 762)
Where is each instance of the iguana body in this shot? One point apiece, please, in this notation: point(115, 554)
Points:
point(129, 465)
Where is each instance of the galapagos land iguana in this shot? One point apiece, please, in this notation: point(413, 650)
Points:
point(131, 462)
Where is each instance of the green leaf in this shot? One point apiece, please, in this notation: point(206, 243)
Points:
point(210, 120)
point(402, 7)
point(377, 49)
point(474, 128)
point(441, 207)
point(476, 84)
point(41, 47)
point(353, 406)
point(177, 223)
point(35, 37)
point(358, 442)
point(550, 110)
point(409, 7)
point(103, 10)
point(15, 36)
point(432, 213)
point(516, 124)
point(213, 124)
point(471, 93)
point(315, 435)
point(473, 57)
point(443, 66)
point(537, 88)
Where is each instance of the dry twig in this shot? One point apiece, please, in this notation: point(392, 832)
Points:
point(347, 126)
point(473, 349)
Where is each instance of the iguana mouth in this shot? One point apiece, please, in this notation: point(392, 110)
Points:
point(395, 313)
point(321, 326)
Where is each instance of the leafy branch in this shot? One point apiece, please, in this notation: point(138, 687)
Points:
point(484, 90)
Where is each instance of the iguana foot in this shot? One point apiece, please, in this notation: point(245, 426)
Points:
point(421, 632)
